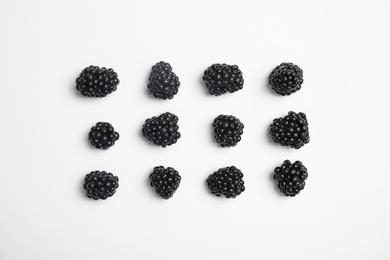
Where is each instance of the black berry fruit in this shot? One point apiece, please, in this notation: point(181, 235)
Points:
point(100, 185)
point(286, 79)
point(162, 130)
point(223, 78)
point(165, 181)
point(97, 82)
point(290, 177)
point(103, 135)
point(227, 130)
point(226, 181)
point(163, 82)
point(291, 130)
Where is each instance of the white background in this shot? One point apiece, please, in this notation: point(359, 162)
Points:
point(343, 49)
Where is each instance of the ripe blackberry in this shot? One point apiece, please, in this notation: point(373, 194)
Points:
point(103, 136)
point(97, 82)
point(100, 185)
point(161, 130)
point(163, 82)
point(223, 78)
point(165, 181)
point(227, 182)
point(227, 130)
point(286, 79)
point(291, 130)
point(291, 177)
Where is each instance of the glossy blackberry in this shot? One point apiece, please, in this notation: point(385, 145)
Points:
point(100, 185)
point(290, 177)
point(165, 181)
point(103, 135)
point(227, 130)
point(226, 181)
point(286, 79)
point(223, 78)
point(163, 82)
point(162, 130)
point(291, 130)
point(97, 82)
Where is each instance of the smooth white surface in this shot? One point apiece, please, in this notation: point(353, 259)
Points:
point(343, 48)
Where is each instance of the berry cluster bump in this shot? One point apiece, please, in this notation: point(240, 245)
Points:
point(227, 130)
point(103, 135)
point(223, 78)
point(286, 79)
point(226, 181)
point(291, 130)
point(100, 185)
point(162, 130)
point(97, 82)
point(290, 177)
point(165, 181)
point(163, 82)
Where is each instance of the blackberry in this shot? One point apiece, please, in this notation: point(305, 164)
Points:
point(100, 185)
point(97, 82)
point(103, 136)
point(290, 177)
point(286, 79)
point(223, 78)
point(162, 130)
point(227, 130)
point(291, 130)
point(227, 182)
point(163, 82)
point(165, 181)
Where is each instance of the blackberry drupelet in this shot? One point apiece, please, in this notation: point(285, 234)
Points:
point(226, 181)
point(103, 135)
point(227, 130)
point(162, 130)
point(291, 130)
point(223, 78)
point(165, 181)
point(286, 79)
point(163, 82)
point(100, 185)
point(97, 82)
point(290, 177)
